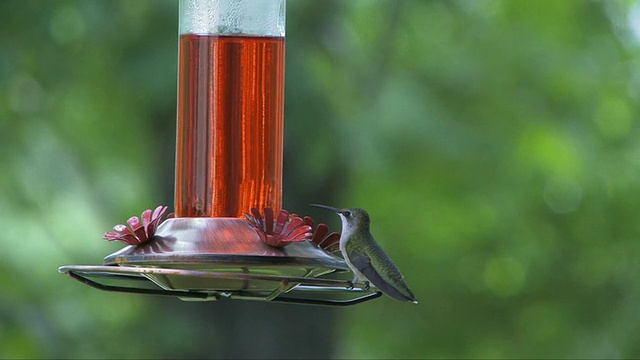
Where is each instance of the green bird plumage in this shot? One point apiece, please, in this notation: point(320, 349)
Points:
point(366, 258)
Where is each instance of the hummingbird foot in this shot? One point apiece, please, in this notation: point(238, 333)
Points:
point(352, 285)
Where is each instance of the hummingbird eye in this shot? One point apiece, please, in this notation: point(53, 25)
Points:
point(346, 213)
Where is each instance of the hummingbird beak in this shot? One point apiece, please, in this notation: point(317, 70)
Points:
point(335, 210)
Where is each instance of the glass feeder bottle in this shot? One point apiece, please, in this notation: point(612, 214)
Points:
point(230, 107)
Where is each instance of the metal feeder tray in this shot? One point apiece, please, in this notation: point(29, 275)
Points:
point(218, 258)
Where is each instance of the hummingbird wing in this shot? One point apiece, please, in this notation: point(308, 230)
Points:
point(382, 272)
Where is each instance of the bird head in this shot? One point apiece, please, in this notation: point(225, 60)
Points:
point(352, 219)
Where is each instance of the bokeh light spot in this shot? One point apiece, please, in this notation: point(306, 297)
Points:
point(67, 25)
point(562, 196)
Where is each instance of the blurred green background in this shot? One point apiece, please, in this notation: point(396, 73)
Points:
point(494, 143)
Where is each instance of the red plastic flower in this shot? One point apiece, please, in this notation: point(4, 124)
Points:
point(137, 232)
point(286, 228)
point(322, 238)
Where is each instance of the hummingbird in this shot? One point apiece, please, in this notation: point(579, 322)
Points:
point(365, 257)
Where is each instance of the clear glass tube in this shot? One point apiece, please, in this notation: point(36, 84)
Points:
point(233, 17)
point(230, 107)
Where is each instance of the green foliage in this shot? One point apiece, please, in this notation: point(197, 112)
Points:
point(495, 144)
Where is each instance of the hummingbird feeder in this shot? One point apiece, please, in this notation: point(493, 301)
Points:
point(229, 236)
